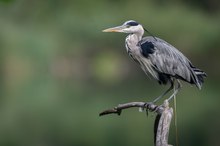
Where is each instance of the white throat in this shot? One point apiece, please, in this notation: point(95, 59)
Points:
point(133, 39)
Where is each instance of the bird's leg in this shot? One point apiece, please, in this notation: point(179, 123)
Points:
point(175, 91)
point(162, 95)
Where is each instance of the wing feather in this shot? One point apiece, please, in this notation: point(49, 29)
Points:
point(168, 60)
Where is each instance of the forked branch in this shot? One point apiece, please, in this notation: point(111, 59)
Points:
point(162, 121)
point(143, 105)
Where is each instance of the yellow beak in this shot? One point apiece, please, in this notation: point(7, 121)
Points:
point(114, 29)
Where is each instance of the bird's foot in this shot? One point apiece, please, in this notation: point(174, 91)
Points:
point(150, 106)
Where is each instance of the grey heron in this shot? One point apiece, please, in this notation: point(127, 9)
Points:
point(159, 59)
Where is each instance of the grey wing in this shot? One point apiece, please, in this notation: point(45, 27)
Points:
point(168, 60)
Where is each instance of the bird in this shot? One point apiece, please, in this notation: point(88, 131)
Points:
point(159, 59)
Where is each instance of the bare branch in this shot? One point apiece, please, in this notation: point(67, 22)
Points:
point(147, 106)
point(162, 121)
point(163, 127)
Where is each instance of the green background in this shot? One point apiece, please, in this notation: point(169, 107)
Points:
point(58, 71)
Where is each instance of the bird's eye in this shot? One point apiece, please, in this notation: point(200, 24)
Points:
point(127, 26)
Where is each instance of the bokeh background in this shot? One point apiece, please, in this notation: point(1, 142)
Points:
point(58, 71)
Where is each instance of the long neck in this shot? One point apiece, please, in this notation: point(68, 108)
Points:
point(133, 39)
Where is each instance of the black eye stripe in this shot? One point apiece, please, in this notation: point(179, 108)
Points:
point(132, 23)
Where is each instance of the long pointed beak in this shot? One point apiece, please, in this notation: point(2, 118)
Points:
point(114, 29)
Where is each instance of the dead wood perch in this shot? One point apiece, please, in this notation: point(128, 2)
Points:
point(162, 120)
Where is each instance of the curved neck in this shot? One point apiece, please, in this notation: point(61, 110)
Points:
point(134, 38)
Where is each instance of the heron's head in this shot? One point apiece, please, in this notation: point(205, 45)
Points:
point(130, 26)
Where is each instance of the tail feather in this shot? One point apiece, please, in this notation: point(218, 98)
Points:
point(200, 77)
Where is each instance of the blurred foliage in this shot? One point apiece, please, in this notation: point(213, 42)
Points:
point(58, 71)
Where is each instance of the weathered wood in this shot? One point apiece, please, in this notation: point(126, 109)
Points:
point(143, 105)
point(162, 121)
point(163, 127)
